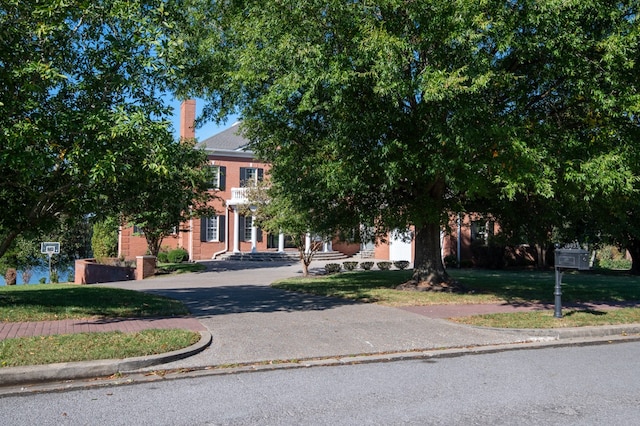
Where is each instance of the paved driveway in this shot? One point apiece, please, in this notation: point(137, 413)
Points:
point(252, 322)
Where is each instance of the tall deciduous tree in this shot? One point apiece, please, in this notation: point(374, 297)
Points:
point(397, 112)
point(77, 80)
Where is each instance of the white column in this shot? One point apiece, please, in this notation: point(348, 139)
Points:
point(325, 247)
point(236, 230)
point(254, 235)
point(281, 242)
point(307, 243)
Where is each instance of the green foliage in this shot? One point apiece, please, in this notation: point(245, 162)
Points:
point(54, 279)
point(451, 261)
point(332, 268)
point(171, 190)
point(401, 264)
point(350, 266)
point(163, 257)
point(609, 257)
point(104, 239)
point(366, 265)
point(178, 255)
point(396, 113)
point(80, 93)
point(383, 266)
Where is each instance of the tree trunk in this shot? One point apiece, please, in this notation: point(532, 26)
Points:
point(429, 273)
point(427, 262)
point(634, 250)
point(153, 243)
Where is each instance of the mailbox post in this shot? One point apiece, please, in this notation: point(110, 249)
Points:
point(567, 258)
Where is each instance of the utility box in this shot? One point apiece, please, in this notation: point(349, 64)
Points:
point(572, 259)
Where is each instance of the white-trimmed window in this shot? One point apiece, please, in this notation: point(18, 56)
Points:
point(212, 229)
point(217, 177)
point(246, 232)
point(250, 176)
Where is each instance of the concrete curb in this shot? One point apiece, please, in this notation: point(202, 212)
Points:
point(131, 373)
point(575, 332)
point(10, 376)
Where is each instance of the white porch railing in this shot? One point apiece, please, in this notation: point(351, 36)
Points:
point(239, 196)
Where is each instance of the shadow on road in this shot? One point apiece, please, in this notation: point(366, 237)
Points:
point(247, 298)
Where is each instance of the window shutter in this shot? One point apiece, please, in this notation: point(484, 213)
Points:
point(260, 175)
point(241, 227)
point(243, 177)
point(203, 229)
point(259, 232)
point(221, 228)
point(222, 176)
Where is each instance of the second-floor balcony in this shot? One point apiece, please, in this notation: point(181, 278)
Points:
point(238, 196)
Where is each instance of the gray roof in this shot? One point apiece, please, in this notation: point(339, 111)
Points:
point(227, 140)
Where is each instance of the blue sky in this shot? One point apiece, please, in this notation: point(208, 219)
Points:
point(203, 132)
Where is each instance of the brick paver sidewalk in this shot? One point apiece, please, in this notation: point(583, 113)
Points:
point(10, 330)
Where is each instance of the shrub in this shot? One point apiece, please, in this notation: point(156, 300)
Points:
point(54, 279)
point(332, 268)
point(366, 265)
point(42, 280)
point(384, 266)
point(451, 261)
point(163, 257)
point(178, 255)
point(401, 264)
point(350, 266)
point(104, 239)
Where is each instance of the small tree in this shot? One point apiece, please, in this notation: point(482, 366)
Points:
point(168, 191)
point(277, 213)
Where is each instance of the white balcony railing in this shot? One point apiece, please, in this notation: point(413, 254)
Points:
point(239, 196)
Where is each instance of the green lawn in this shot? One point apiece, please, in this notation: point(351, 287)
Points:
point(485, 286)
point(69, 301)
point(91, 346)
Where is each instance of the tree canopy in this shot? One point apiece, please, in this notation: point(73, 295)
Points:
point(396, 113)
point(78, 81)
point(158, 199)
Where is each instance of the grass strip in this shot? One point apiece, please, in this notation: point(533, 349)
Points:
point(545, 319)
point(92, 346)
point(46, 302)
point(376, 287)
point(179, 268)
point(484, 286)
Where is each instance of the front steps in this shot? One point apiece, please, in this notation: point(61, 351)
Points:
point(287, 256)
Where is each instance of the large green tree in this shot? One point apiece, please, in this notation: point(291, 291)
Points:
point(396, 112)
point(77, 80)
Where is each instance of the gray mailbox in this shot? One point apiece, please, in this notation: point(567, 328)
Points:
point(572, 259)
point(567, 258)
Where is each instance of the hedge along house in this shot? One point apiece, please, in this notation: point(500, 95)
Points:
point(234, 169)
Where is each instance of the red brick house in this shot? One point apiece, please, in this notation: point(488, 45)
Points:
point(234, 169)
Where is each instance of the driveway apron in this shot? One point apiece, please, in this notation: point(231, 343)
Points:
point(251, 322)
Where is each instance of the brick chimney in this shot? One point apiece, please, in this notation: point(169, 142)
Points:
point(187, 119)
